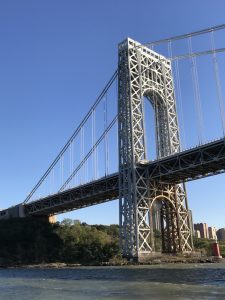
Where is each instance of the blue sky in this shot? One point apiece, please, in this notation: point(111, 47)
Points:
point(55, 58)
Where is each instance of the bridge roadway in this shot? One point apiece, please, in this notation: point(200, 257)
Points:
point(195, 163)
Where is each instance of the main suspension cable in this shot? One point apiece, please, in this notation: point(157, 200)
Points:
point(184, 36)
point(108, 85)
point(180, 102)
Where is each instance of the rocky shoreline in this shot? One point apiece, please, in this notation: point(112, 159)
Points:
point(154, 261)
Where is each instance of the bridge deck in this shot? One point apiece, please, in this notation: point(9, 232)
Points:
point(95, 192)
point(195, 163)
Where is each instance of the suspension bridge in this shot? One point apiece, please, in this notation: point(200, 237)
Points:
point(148, 132)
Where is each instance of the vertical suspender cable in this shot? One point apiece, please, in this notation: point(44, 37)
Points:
point(87, 169)
point(105, 137)
point(76, 133)
point(96, 167)
point(196, 91)
point(175, 102)
point(73, 162)
point(93, 144)
point(95, 157)
point(217, 79)
point(73, 159)
point(117, 143)
point(70, 159)
point(170, 49)
point(88, 155)
point(104, 117)
point(92, 140)
point(117, 130)
point(53, 180)
point(62, 171)
point(82, 154)
point(180, 102)
point(50, 183)
point(107, 140)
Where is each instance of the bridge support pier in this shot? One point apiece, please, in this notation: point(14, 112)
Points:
point(16, 211)
point(142, 72)
point(174, 217)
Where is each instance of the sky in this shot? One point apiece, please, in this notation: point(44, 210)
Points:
point(55, 57)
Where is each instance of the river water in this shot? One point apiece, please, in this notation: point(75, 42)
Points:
point(178, 281)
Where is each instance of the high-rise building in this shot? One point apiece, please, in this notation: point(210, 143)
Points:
point(203, 228)
point(197, 234)
point(212, 233)
point(221, 234)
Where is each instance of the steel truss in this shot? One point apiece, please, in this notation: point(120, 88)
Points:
point(205, 160)
point(192, 164)
point(142, 72)
point(95, 192)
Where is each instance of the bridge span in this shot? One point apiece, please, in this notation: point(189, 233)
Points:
point(195, 163)
point(142, 73)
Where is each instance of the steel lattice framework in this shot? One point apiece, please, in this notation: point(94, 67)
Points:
point(144, 73)
point(192, 164)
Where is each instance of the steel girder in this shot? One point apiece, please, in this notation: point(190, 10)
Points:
point(205, 160)
point(195, 163)
point(95, 192)
point(142, 72)
point(192, 164)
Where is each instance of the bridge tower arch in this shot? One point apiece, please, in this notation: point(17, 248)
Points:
point(143, 72)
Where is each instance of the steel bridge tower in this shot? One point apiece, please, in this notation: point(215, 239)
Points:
point(144, 73)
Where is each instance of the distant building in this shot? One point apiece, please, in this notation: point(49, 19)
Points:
point(212, 233)
point(197, 234)
point(52, 219)
point(203, 228)
point(221, 234)
point(156, 216)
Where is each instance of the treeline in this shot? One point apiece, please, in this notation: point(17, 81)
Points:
point(205, 246)
point(32, 241)
point(222, 248)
